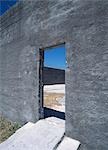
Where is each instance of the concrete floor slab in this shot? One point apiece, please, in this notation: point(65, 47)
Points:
point(68, 144)
point(43, 135)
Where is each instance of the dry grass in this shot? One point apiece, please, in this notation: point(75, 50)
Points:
point(7, 128)
point(51, 99)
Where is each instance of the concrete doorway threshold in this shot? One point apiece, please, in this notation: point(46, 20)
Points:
point(46, 134)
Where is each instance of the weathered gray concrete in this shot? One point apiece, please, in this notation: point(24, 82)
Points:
point(83, 26)
point(43, 135)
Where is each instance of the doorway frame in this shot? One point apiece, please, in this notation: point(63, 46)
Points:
point(41, 84)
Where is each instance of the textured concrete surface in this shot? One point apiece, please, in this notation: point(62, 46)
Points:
point(44, 135)
point(83, 26)
point(68, 144)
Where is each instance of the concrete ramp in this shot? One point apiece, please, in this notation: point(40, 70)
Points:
point(43, 135)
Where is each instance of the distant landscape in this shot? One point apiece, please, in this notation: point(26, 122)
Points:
point(54, 97)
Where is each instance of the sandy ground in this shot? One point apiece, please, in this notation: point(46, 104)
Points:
point(54, 97)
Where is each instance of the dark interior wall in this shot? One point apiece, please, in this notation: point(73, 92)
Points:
point(53, 76)
point(83, 25)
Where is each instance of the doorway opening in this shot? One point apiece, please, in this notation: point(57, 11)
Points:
point(52, 68)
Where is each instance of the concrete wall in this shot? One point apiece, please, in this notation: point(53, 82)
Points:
point(18, 67)
point(53, 76)
point(83, 25)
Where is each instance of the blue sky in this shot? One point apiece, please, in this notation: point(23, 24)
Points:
point(5, 5)
point(55, 57)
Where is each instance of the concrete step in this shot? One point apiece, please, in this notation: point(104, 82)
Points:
point(68, 144)
point(43, 135)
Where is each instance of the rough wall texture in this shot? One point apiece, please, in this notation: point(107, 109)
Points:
point(18, 68)
point(83, 25)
